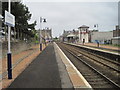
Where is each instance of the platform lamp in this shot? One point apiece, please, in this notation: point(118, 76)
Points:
point(41, 20)
point(96, 26)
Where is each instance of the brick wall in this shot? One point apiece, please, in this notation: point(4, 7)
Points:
point(16, 47)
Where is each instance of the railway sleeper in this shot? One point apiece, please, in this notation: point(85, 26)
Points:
point(95, 79)
point(91, 76)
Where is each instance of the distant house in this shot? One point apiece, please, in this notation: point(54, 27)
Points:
point(47, 34)
point(69, 36)
point(116, 36)
point(63, 37)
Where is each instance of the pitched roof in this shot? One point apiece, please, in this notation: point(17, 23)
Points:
point(83, 26)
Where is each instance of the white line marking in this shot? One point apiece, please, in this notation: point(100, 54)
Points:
point(95, 49)
point(80, 75)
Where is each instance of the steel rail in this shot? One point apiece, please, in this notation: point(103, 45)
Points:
point(117, 70)
point(108, 79)
point(115, 62)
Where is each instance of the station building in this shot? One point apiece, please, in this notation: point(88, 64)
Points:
point(91, 36)
point(70, 36)
point(83, 34)
point(75, 36)
point(102, 37)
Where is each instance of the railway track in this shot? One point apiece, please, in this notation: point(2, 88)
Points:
point(114, 65)
point(100, 72)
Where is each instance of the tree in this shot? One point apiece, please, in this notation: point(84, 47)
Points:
point(22, 16)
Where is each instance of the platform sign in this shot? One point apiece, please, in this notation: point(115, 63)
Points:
point(9, 19)
point(1, 16)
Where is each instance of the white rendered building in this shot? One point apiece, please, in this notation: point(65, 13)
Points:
point(83, 34)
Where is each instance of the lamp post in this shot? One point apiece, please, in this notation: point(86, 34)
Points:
point(96, 26)
point(41, 20)
point(97, 41)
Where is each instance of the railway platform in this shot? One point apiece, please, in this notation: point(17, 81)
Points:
point(102, 47)
point(106, 52)
point(50, 69)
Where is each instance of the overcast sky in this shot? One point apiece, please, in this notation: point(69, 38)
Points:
point(71, 15)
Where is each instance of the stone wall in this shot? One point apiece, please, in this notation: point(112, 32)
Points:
point(16, 47)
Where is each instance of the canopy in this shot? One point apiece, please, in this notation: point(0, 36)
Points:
point(71, 35)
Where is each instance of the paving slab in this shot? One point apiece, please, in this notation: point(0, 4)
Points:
point(43, 72)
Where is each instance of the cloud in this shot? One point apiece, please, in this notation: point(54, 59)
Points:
point(67, 16)
point(70, 1)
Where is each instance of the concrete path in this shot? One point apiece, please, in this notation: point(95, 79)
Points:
point(43, 72)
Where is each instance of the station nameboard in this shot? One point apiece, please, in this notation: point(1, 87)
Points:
point(9, 19)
